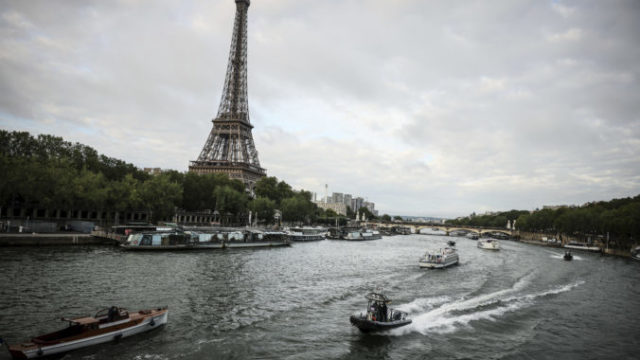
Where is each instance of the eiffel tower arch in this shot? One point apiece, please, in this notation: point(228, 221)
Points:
point(230, 148)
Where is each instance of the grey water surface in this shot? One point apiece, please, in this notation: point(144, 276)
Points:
point(522, 302)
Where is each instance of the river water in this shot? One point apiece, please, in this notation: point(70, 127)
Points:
point(523, 302)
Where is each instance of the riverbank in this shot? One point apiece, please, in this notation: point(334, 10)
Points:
point(537, 239)
point(56, 239)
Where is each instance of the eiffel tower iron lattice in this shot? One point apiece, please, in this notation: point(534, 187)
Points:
point(230, 148)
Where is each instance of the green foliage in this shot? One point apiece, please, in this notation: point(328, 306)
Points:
point(230, 201)
point(619, 218)
point(160, 195)
point(490, 221)
point(350, 213)
point(270, 188)
point(47, 172)
point(367, 213)
point(385, 218)
point(263, 208)
point(330, 213)
point(399, 218)
point(298, 208)
point(47, 148)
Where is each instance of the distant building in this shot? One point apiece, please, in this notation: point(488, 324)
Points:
point(369, 205)
point(337, 198)
point(357, 203)
point(347, 200)
point(153, 171)
point(339, 208)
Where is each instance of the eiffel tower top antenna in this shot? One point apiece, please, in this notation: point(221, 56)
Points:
point(234, 102)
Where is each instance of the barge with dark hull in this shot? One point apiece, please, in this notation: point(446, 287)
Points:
point(191, 240)
point(353, 234)
point(307, 234)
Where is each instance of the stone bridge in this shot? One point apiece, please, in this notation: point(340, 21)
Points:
point(416, 228)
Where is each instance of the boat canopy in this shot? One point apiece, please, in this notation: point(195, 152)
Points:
point(378, 298)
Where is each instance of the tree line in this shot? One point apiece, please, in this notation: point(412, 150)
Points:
point(617, 219)
point(46, 172)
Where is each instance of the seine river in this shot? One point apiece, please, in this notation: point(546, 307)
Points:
point(523, 302)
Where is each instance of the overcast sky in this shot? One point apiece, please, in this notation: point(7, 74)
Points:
point(436, 108)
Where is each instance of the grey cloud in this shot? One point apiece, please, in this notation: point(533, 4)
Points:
point(428, 108)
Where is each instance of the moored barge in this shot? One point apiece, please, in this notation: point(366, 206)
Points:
point(192, 240)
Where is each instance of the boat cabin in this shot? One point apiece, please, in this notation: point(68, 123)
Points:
point(377, 307)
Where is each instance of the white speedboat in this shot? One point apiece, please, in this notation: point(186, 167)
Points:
point(439, 259)
point(489, 244)
point(107, 325)
point(635, 253)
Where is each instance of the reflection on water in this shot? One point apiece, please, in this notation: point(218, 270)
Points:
point(295, 302)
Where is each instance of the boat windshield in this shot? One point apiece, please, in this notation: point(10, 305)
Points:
point(134, 239)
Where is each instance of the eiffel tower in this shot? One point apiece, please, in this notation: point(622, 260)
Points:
point(229, 148)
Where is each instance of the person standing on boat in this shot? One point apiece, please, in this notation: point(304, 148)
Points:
point(383, 309)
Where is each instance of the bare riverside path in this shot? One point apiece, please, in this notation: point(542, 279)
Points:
point(520, 302)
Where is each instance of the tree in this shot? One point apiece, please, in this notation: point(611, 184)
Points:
point(160, 196)
point(263, 208)
point(330, 213)
point(267, 187)
point(350, 213)
point(386, 218)
point(229, 200)
point(124, 195)
point(297, 209)
point(270, 188)
point(367, 213)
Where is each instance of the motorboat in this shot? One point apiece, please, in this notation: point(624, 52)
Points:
point(439, 259)
point(581, 246)
point(451, 243)
point(568, 256)
point(354, 234)
point(306, 234)
point(379, 317)
point(489, 244)
point(472, 236)
point(163, 240)
point(108, 324)
point(635, 253)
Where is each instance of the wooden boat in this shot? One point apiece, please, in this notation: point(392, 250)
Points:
point(378, 317)
point(108, 324)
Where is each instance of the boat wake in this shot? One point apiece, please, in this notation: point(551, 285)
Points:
point(428, 317)
point(561, 257)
